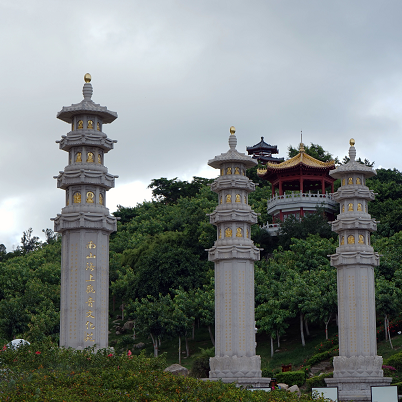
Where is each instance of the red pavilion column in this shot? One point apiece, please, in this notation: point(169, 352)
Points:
point(322, 185)
point(280, 187)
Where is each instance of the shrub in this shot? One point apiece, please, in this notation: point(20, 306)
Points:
point(319, 357)
point(318, 381)
point(395, 361)
point(200, 368)
point(292, 377)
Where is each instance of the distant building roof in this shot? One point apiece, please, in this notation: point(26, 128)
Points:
point(263, 152)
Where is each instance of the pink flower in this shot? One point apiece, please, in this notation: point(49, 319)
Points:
point(37, 353)
point(4, 348)
point(110, 355)
point(129, 353)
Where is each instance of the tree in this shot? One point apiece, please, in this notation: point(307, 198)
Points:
point(310, 224)
point(28, 242)
point(314, 150)
point(169, 191)
point(153, 315)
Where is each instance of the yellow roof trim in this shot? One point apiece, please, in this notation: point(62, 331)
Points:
point(303, 158)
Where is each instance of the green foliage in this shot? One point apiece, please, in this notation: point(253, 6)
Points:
point(292, 377)
point(319, 357)
point(314, 150)
point(314, 223)
point(395, 361)
point(169, 191)
point(200, 368)
point(318, 381)
point(46, 372)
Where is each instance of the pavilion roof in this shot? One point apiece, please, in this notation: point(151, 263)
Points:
point(262, 146)
point(302, 159)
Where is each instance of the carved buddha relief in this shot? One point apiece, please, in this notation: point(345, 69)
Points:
point(229, 170)
point(350, 207)
point(351, 239)
point(237, 170)
point(238, 199)
point(221, 200)
point(358, 181)
point(239, 232)
point(228, 232)
point(343, 182)
point(72, 126)
point(78, 157)
point(245, 199)
point(77, 198)
point(220, 233)
point(99, 159)
point(350, 180)
point(90, 125)
point(100, 199)
point(361, 239)
point(359, 207)
point(343, 208)
point(80, 124)
point(90, 197)
point(98, 126)
point(247, 233)
point(228, 198)
point(90, 157)
point(342, 240)
point(221, 172)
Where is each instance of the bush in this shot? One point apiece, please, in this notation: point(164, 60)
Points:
point(200, 368)
point(40, 372)
point(292, 377)
point(395, 361)
point(318, 381)
point(319, 357)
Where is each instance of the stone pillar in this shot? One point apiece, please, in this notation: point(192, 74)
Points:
point(85, 224)
point(357, 367)
point(234, 254)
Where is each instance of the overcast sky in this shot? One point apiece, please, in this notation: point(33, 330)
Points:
point(179, 74)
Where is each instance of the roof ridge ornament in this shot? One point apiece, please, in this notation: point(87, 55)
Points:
point(87, 90)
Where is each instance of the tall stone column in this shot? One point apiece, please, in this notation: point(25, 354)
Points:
point(357, 367)
point(85, 224)
point(234, 254)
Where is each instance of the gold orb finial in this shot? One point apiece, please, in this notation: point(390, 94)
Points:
point(352, 142)
point(87, 77)
point(232, 130)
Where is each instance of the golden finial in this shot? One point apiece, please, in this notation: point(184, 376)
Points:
point(301, 147)
point(352, 142)
point(87, 77)
point(232, 130)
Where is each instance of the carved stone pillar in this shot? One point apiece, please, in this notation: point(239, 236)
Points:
point(357, 367)
point(234, 254)
point(85, 224)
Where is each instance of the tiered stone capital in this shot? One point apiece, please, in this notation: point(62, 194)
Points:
point(238, 182)
point(223, 252)
point(99, 177)
point(85, 220)
point(86, 138)
point(354, 191)
point(353, 259)
point(361, 221)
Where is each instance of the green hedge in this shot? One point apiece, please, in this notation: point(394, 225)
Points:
point(292, 377)
point(318, 381)
point(395, 361)
point(319, 357)
point(48, 373)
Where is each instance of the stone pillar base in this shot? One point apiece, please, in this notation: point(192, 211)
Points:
point(356, 389)
point(233, 367)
